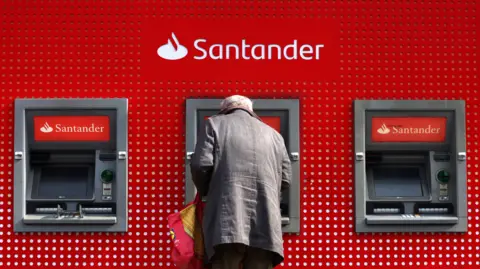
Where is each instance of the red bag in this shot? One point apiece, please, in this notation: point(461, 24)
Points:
point(187, 236)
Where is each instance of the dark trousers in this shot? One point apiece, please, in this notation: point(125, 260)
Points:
point(238, 256)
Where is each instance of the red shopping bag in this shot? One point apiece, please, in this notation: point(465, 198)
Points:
point(187, 236)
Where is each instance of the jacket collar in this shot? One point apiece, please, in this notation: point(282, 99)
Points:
point(239, 108)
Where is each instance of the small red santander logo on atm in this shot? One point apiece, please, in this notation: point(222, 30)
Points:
point(72, 128)
point(409, 129)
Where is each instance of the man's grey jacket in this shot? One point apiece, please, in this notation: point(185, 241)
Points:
point(243, 164)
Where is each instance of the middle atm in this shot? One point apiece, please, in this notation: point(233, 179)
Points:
point(280, 114)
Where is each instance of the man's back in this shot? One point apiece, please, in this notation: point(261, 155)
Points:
point(250, 161)
point(248, 147)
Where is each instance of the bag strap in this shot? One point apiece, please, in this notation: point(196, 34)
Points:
point(197, 198)
point(198, 207)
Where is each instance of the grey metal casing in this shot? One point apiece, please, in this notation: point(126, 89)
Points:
point(456, 132)
point(292, 107)
point(22, 185)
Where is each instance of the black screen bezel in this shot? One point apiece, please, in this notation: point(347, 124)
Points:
point(37, 173)
point(423, 181)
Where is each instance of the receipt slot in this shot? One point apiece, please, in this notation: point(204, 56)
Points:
point(410, 170)
point(70, 165)
point(280, 114)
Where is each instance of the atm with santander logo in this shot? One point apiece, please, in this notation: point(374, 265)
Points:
point(70, 165)
point(280, 114)
point(410, 166)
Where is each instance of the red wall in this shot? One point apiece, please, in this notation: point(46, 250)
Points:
point(377, 50)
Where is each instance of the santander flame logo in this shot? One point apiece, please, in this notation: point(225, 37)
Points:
point(46, 128)
point(383, 129)
point(172, 51)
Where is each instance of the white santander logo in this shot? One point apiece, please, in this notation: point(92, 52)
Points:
point(242, 50)
point(61, 128)
point(383, 129)
point(171, 52)
point(46, 128)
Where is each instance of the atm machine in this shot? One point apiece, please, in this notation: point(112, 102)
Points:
point(280, 114)
point(410, 166)
point(70, 165)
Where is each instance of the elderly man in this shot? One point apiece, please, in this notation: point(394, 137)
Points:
point(242, 165)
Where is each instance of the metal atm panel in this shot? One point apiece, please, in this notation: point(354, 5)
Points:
point(70, 167)
point(410, 166)
point(282, 115)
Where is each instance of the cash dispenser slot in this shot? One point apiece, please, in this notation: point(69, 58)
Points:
point(434, 209)
point(62, 185)
point(399, 187)
point(385, 208)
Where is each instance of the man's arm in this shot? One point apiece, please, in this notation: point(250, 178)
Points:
point(202, 161)
point(286, 170)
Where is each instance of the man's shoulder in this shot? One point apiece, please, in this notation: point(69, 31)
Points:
point(270, 128)
point(213, 118)
point(223, 117)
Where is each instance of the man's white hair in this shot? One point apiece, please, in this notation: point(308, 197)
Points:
point(236, 101)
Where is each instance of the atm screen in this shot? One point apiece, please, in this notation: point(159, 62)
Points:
point(64, 182)
point(397, 182)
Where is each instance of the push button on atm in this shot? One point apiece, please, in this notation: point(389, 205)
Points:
point(443, 176)
point(107, 176)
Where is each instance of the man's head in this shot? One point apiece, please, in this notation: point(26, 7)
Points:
point(236, 102)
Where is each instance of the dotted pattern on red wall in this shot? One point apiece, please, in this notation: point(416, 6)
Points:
point(387, 50)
